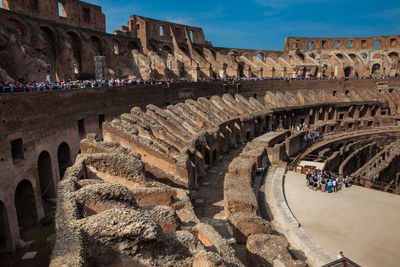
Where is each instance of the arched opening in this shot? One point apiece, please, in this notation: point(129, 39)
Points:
point(240, 70)
point(340, 56)
point(352, 56)
point(97, 45)
point(168, 49)
point(64, 158)
point(46, 180)
point(347, 71)
point(133, 46)
point(260, 56)
point(76, 52)
point(50, 43)
point(25, 204)
point(5, 241)
point(364, 56)
point(394, 55)
point(116, 47)
point(375, 69)
point(18, 26)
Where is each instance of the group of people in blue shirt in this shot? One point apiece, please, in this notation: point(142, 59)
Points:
point(325, 181)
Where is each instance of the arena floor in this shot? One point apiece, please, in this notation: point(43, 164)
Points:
point(361, 222)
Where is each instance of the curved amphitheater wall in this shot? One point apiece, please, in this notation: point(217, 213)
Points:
point(44, 120)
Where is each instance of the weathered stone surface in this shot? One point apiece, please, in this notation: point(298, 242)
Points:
point(246, 224)
point(269, 250)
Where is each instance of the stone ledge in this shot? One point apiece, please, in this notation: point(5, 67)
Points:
point(285, 221)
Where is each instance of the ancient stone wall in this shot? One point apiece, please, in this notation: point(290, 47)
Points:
point(70, 12)
point(351, 43)
point(38, 43)
point(39, 127)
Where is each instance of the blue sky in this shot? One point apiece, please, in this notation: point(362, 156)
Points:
point(264, 24)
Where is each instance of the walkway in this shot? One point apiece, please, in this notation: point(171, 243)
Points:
point(361, 222)
point(208, 201)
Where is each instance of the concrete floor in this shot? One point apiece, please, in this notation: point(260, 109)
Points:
point(361, 222)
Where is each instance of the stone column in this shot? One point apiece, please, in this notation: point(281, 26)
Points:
point(100, 66)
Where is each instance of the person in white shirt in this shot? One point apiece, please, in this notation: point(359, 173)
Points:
point(340, 255)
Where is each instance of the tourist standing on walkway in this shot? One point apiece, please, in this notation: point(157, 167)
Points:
point(346, 181)
point(329, 184)
point(340, 255)
point(323, 184)
point(334, 185)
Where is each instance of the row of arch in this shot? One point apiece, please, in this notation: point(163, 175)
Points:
point(24, 197)
point(53, 48)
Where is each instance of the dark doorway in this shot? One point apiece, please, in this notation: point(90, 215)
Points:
point(240, 70)
point(25, 204)
point(347, 72)
point(64, 158)
point(4, 228)
point(47, 188)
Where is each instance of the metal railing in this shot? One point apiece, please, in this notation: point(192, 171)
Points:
point(343, 262)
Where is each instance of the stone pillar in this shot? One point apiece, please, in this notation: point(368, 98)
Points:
point(248, 71)
point(194, 72)
point(99, 67)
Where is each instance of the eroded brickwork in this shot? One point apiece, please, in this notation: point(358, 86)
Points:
point(59, 40)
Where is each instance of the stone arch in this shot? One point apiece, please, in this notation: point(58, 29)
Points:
point(240, 70)
point(76, 46)
point(64, 158)
point(116, 46)
point(375, 69)
point(25, 206)
point(46, 180)
point(393, 55)
point(260, 56)
point(133, 46)
point(234, 53)
point(5, 237)
point(364, 56)
point(50, 39)
point(97, 45)
point(347, 71)
point(19, 26)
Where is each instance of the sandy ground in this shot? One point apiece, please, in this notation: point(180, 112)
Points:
point(361, 222)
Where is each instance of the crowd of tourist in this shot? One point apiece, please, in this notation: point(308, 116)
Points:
point(310, 135)
point(325, 181)
point(23, 86)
